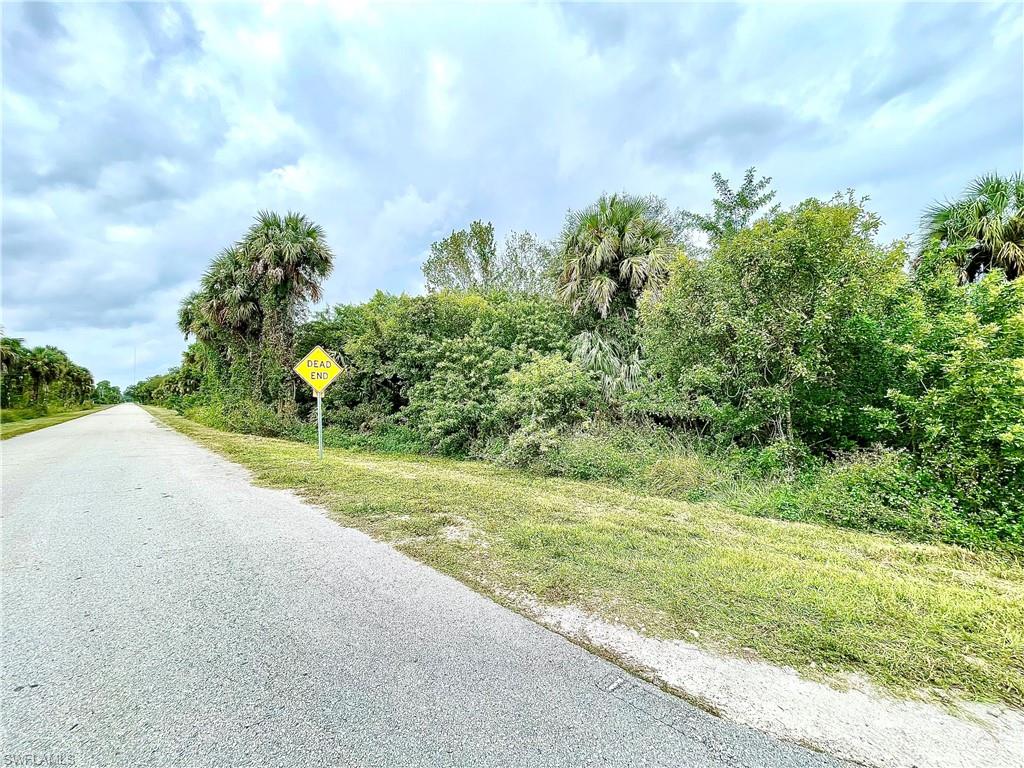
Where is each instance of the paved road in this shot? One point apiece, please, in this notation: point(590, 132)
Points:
point(160, 610)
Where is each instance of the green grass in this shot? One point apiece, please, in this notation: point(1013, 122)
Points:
point(13, 428)
point(917, 618)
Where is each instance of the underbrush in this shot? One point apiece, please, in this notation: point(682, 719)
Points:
point(8, 415)
point(879, 490)
point(39, 411)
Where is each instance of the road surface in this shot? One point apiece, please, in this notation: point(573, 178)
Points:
point(158, 609)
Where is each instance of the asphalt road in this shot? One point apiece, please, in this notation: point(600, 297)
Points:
point(158, 609)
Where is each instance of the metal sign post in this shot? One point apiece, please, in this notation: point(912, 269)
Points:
point(320, 423)
point(318, 369)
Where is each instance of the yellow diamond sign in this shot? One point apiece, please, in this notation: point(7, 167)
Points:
point(318, 369)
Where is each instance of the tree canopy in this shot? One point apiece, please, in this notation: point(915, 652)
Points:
point(980, 232)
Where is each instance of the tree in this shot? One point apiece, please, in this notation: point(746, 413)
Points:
point(75, 384)
point(528, 265)
point(248, 305)
point(792, 330)
point(980, 232)
point(44, 365)
point(468, 261)
point(13, 356)
point(105, 393)
point(228, 300)
point(734, 211)
point(964, 419)
point(612, 251)
point(288, 259)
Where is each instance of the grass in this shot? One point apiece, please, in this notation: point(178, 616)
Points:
point(12, 428)
point(916, 618)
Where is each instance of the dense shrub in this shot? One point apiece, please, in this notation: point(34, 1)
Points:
point(242, 415)
point(880, 491)
point(436, 361)
point(537, 403)
point(548, 391)
point(449, 407)
point(795, 371)
point(792, 330)
point(965, 417)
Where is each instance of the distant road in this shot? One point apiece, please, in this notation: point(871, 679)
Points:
point(158, 609)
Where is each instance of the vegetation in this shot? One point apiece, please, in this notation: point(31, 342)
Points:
point(40, 382)
point(733, 211)
point(983, 231)
point(794, 368)
point(823, 599)
point(468, 261)
point(106, 393)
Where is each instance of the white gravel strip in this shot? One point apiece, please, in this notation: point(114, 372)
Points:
point(862, 724)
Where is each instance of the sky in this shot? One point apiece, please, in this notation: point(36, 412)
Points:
point(140, 139)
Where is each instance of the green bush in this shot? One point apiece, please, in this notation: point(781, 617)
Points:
point(451, 383)
point(874, 491)
point(792, 330)
point(966, 417)
point(450, 406)
point(547, 391)
point(21, 414)
point(242, 415)
point(535, 405)
point(389, 438)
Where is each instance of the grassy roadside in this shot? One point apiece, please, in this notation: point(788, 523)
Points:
point(912, 617)
point(10, 429)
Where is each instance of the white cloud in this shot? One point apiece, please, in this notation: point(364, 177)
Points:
point(139, 139)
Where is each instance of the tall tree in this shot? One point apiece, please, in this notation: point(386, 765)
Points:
point(733, 211)
point(468, 261)
point(13, 355)
point(288, 256)
point(76, 384)
point(980, 232)
point(288, 259)
point(529, 266)
point(612, 251)
point(105, 392)
point(44, 365)
point(228, 299)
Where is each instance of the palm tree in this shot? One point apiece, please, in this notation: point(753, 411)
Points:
point(227, 301)
point(12, 353)
point(12, 363)
point(44, 365)
point(79, 383)
point(982, 231)
point(289, 256)
point(288, 259)
point(614, 250)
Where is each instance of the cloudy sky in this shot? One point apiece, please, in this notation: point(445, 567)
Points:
point(139, 139)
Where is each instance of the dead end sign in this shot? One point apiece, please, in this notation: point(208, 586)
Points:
point(318, 369)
